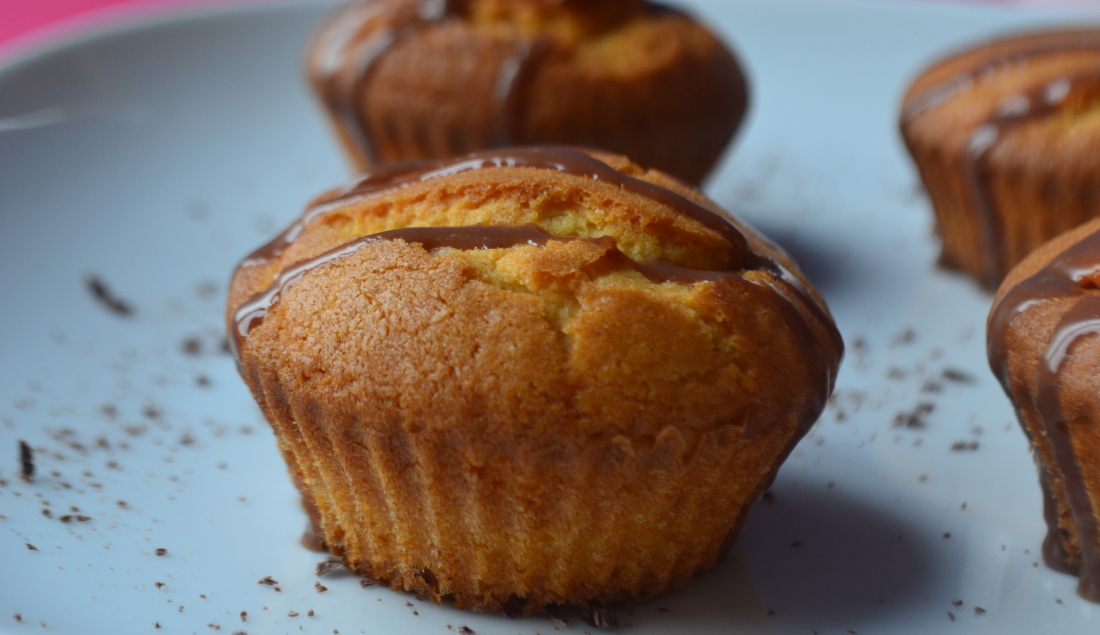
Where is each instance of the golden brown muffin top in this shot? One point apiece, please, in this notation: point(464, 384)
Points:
point(634, 234)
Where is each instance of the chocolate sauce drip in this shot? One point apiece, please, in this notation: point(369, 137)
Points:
point(1015, 111)
point(397, 175)
point(343, 89)
point(1064, 277)
point(251, 313)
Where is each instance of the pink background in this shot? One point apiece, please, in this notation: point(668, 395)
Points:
point(24, 22)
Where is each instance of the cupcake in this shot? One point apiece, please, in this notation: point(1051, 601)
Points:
point(1007, 140)
point(529, 380)
point(1043, 348)
point(417, 79)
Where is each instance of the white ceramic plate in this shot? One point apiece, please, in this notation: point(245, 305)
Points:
point(153, 157)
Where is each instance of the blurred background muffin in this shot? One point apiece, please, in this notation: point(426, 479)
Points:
point(1006, 136)
point(414, 79)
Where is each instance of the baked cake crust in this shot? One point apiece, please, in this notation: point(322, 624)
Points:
point(578, 415)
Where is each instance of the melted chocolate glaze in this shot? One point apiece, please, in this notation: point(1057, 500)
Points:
point(397, 175)
point(775, 293)
point(1064, 277)
point(1033, 104)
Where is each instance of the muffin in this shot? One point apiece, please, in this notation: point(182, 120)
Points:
point(1007, 140)
point(416, 79)
point(1042, 348)
point(529, 380)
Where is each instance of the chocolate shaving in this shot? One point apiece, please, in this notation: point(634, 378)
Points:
point(267, 580)
point(111, 302)
point(192, 346)
point(964, 446)
point(466, 630)
point(31, 547)
point(600, 618)
point(915, 417)
point(320, 587)
point(162, 551)
point(328, 565)
point(958, 376)
point(26, 461)
point(363, 582)
point(905, 337)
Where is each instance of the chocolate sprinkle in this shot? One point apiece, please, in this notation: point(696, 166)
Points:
point(26, 461)
point(328, 565)
point(958, 376)
point(162, 551)
point(601, 618)
point(964, 446)
point(915, 417)
point(111, 302)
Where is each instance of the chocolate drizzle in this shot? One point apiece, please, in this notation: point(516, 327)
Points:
point(398, 175)
point(1068, 276)
point(1016, 110)
point(343, 88)
point(777, 294)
